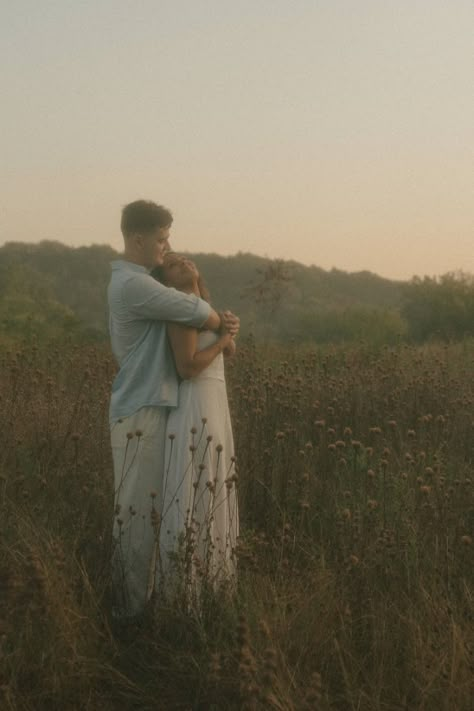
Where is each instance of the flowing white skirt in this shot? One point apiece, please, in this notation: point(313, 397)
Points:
point(200, 521)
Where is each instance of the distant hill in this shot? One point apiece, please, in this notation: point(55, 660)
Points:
point(277, 299)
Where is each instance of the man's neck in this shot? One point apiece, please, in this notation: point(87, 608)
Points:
point(133, 258)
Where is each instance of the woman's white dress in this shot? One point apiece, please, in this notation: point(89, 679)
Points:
point(200, 522)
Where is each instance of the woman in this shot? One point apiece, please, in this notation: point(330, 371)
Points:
point(199, 520)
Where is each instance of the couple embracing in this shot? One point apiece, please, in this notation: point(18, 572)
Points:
point(171, 434)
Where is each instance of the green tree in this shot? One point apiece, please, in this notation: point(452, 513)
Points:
point(440, 307)
point(28, 308)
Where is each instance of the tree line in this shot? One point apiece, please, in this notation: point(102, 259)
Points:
point(49, 290)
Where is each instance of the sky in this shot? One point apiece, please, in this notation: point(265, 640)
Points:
point(331, 132)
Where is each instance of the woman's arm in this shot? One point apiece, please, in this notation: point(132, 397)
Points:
point(189, 361)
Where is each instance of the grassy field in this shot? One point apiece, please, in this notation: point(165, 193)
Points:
point(356, 566)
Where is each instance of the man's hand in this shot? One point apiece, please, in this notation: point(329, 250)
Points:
point(230, 322)
point(230, 349)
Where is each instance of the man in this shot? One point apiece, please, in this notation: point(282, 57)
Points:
point(145, 387)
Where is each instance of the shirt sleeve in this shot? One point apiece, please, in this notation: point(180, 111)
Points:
point(147, 299)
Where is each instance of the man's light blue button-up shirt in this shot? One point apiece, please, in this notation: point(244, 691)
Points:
point(139, 307)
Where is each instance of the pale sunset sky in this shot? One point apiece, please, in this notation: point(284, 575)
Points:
point(333, 132)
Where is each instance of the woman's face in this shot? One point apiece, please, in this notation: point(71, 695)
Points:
point(178, 271)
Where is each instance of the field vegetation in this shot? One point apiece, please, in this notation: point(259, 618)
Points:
point(356, 576)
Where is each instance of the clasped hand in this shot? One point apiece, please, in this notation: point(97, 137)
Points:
point(230, 323)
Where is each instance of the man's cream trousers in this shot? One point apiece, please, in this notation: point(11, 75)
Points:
point(138, 448)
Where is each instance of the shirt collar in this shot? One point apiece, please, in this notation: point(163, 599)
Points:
point(131, 266)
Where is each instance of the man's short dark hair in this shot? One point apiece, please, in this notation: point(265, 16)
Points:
point(143, 216)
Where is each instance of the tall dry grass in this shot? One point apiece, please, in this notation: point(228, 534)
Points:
point(356, 487)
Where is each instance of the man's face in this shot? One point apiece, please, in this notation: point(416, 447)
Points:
point(154, 247)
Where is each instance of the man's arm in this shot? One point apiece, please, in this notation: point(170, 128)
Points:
point(149, 299)
point(224, 321)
